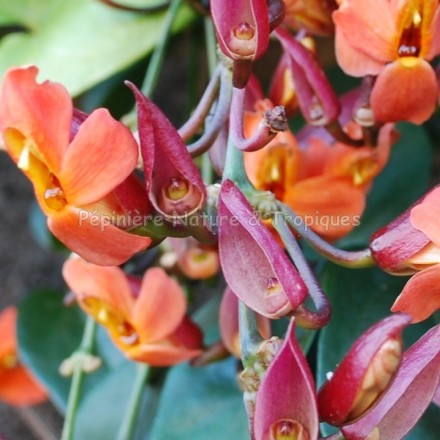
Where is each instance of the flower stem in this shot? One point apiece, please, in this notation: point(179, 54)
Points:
point(159, 52)
point(250, 337)
point(304, 317)
point(128, 425)
point(85, 348)
point(351, 259)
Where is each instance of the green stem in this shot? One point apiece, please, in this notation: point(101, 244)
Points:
point(250, 337)
point(234, 167)
point(86, 348)
point(128, 425)
point(211, 45)
point(159, 52)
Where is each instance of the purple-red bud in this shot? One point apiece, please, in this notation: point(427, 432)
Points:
point(174, 184)
point(365, 372)
point(408, 396)
point(285, 407)
point(254, 265)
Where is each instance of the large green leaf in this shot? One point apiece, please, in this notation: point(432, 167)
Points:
point(28, 13)
point(81, 42)
point(200, 404)
point(359, 298)
point(48, 333)
point(101, 411)
point(403, 180)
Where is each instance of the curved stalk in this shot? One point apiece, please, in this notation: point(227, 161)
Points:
point(352, 259)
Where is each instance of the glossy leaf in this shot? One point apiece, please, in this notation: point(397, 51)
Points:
point(201, 403)
point(101, 411)
point(79, 42)
point(48, 333)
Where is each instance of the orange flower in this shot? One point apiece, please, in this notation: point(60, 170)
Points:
point(73, 179)
point(145, 319)
point(393, 39)
point(17, 386)
point(420, 297)
point(324, 184)
point(313, 15)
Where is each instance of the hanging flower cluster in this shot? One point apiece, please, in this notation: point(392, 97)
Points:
point(234, 199)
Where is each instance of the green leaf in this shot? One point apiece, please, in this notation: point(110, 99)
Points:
point(101, 411)
point(360, 298)
point(28, 13)
point(48, 333)
point(82, 42)
point(200, 404)
point(404, 180)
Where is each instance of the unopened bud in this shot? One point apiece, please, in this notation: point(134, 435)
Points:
point(377, 378)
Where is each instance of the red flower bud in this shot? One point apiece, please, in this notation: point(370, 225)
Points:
point(254, 265)
point(285, 407)
point(242, 27)
point(174, 185)
point(365, 372)
point(394, 246)
point(408, 396)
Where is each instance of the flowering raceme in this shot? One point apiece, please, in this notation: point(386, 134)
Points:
point(325, 184)
point(75, 180)
point(145, 319)
point(17, 387)
point(394, 40)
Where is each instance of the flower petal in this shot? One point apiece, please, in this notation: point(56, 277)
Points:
point(102, 155)
point(19, 388)
point(357, 23)
point(160, 306)
point(95, 239)
point(330, 206)
point(160, 355)
point(41, 112)
point(108, 284)
point(8, 340)
point(406, 90)
point(408, 396)
point(287, 392)
point(420, 297)
point(425, 215)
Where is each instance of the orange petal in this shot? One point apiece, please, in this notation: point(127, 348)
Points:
point(406, 90)
point(160, 355)
point(434, 31)
point(329, 206)
point(107, 284)
point(18, 388)
point(420, 297)
point(354, 62)
point(41, 112)
point(8, 339)
point(93, 238)
point(100, 157)
point(160, 306)
point(357, 23)
point(425, 216)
